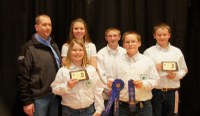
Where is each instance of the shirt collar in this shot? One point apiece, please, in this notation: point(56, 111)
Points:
point(134, 58)
point(74, 67)
point(42, 40)
point(111, 51)
point(163, 49)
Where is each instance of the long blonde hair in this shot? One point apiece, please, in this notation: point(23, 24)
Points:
point(68, 61)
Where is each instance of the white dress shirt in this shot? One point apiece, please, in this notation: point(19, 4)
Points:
point(90, 48)
point(171, 53)
point(107, 65)
point(83, 94)
point(106, 61)
point(138, 67)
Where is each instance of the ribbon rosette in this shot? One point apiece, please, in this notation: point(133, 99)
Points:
point(117, 85)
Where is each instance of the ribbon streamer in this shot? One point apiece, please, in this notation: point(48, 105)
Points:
point(131, 92)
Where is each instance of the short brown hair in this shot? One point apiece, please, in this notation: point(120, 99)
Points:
point(112, 29)
point(161, 25)
point(37, 18)
point(130, 33)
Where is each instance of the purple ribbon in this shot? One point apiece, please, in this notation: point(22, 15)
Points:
point(117, 85)
point(131, 93)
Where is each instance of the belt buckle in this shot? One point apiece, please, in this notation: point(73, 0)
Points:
point(164, 89)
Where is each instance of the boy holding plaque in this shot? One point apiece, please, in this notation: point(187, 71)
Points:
point(139, 75)
point(171, 66)
point(78, 84)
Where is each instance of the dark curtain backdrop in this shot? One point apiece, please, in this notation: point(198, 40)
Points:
point(17, 26)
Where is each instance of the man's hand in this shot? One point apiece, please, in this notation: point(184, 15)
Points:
point(29, 109)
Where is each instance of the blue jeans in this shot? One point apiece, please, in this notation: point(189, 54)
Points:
point(47, 106)
point(163, 103)
point(146, 110)
point(67, 111)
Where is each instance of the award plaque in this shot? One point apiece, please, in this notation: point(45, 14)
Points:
point(79, 74)
point(169, 66)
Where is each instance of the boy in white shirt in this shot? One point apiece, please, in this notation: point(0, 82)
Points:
point(132, 65)
point(163, 52)
point(106, 59)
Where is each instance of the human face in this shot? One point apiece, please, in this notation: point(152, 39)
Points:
point(112, 37)
point(78, 30)
point(44, 27)
point(162, 37)
point(77, 54)
point(131, 44)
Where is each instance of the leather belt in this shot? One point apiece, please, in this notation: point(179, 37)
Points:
point(167, 89)
point(81, 110)
point(139, 104)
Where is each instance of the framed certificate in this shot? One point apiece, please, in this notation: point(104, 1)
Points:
point(169, 66)
point(79, 74)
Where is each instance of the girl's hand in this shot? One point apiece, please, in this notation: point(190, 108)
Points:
point(72, 82)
